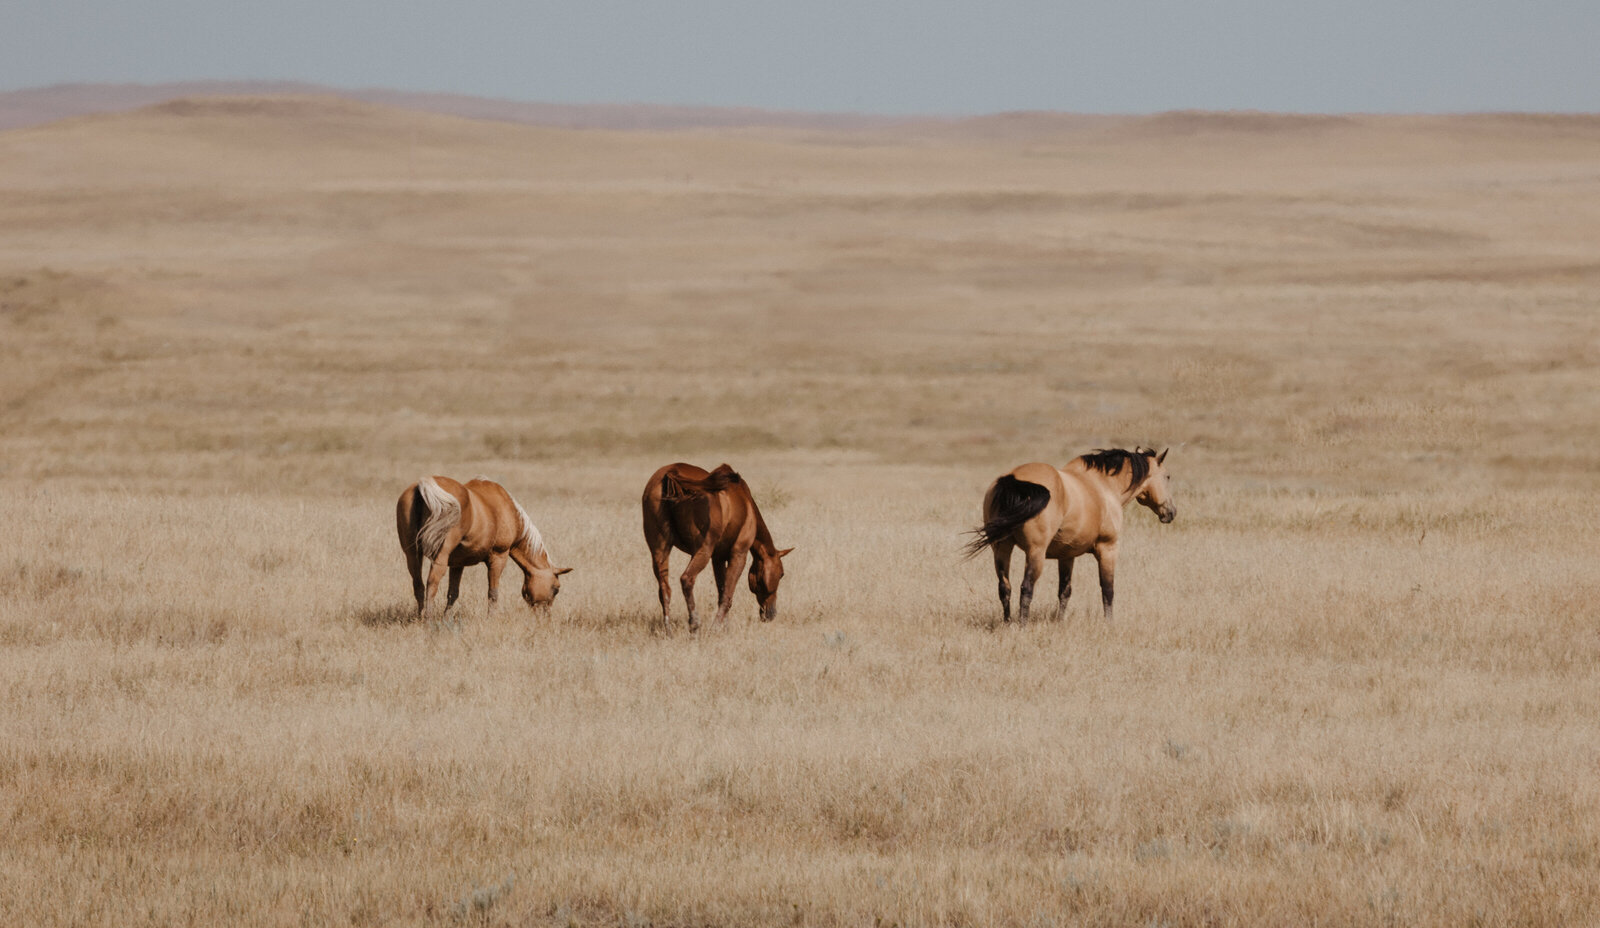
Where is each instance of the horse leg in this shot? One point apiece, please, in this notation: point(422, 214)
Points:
point(1002, 570)
point(728, 583)
point(1030, 576)
point(660, 555)
point(658, 537)
point(1106, 556)
point(1064, 592)
point(696, 564)
point(440, 565)
point(719, 570)
point(454, 592)
point(497, 564)
point(414, 567)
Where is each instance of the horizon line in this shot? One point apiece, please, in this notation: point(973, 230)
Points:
point(313, 87)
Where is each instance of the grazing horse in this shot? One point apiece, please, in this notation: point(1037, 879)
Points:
point(457, 525)
point(713, 518)
point(1064, 512)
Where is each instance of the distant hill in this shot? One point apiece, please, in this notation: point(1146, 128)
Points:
point(32, 107)
point(41, 105)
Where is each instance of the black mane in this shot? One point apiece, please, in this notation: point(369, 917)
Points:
point(1111, 461)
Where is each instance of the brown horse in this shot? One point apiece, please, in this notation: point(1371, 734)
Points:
point(713, 518)
point(1064, 512)
point(458, 525)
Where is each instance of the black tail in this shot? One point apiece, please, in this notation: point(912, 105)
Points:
point(1013, 503)
point(675, 488)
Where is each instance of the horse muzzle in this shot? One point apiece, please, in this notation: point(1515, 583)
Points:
point(1167, 514)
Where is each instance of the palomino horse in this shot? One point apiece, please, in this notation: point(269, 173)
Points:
point(458, 525)
point(713, 518)
point(1064, 512)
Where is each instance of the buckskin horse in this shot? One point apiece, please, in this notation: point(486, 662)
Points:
point(712, 517)
point(456, 525)
point(1067, 511)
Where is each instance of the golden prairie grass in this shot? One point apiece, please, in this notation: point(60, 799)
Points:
point(1353, 683)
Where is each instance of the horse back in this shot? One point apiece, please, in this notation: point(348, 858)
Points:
point(1041, 506)
point(1084, 509)
point(690, 505)
point(738, 510)
point(496, 525)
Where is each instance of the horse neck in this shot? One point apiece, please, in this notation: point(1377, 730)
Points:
point(763, 535)
point(528, 559)
point(1119, 485)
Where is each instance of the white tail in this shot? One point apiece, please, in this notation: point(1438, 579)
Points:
point(444, 512)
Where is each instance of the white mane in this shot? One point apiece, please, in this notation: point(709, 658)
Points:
point(530, 532)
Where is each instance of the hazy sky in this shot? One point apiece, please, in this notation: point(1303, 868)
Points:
point(938, 56)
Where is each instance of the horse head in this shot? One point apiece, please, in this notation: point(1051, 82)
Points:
point(1155, 494)
point(540, 586)
point(766, 569)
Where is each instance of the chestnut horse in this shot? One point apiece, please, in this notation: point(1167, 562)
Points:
point(458, 525)
point(713, 518)
point(1064, 512)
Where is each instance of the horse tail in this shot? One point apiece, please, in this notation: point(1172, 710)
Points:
point(675, 488)
point(444, 513)
point(1012, 503)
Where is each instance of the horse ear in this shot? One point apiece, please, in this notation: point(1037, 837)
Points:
point(563, 570)
point(1163, 455)
point(784, 551)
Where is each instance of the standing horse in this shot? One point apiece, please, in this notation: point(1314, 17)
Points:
point(713, 518)
point(1064, 512)
point(458, 525)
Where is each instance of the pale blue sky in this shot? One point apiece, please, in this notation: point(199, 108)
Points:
point(938, 57)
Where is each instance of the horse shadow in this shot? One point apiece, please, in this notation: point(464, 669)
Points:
point(392, 615)
point(987, 621)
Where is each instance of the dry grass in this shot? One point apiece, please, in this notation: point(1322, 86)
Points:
point(1356, 682)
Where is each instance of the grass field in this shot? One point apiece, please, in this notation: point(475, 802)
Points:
point(1356, 682)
